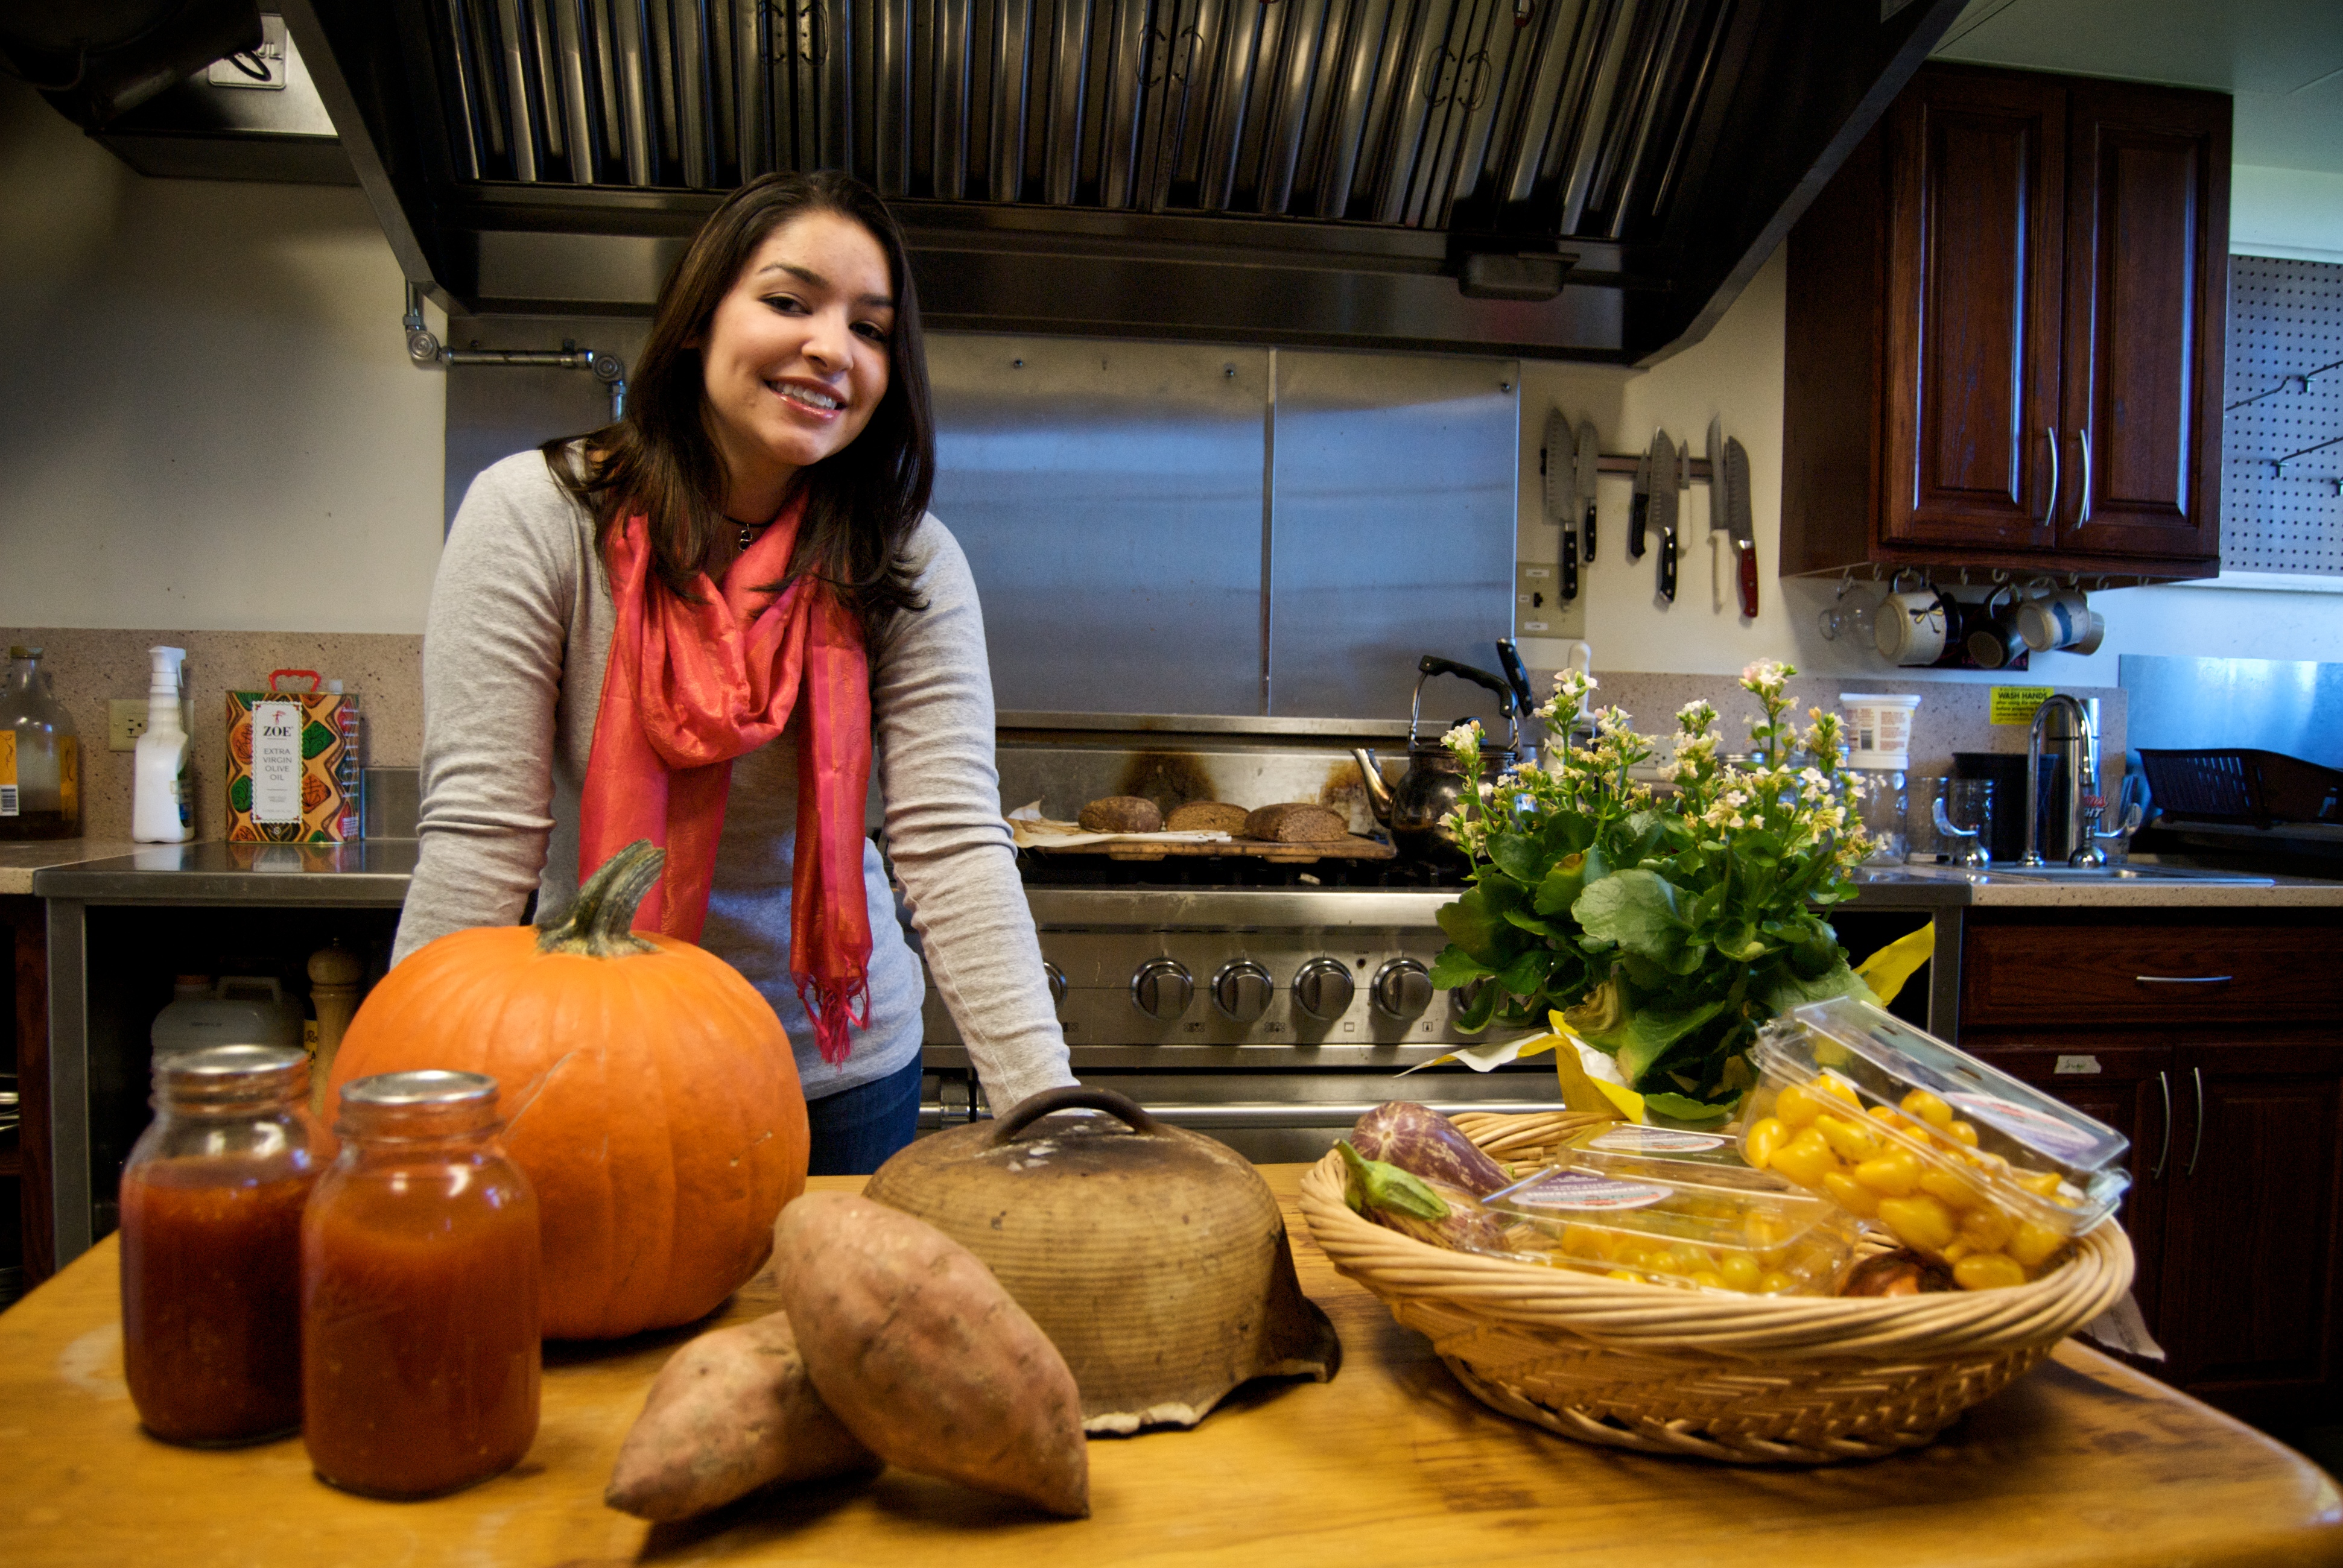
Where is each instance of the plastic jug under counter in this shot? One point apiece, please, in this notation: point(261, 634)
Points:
point(239, 1009)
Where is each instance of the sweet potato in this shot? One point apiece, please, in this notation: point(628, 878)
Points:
point(730, 1411)
point(925, 1357)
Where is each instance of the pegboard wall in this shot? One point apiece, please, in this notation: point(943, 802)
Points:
point(2282, 435)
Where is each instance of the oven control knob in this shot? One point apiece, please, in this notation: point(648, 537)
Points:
point(1322, 987)
point(1242, 990)
point(1056, 978)
point(1161, 989)
point(1402, 988)
point(1465, 995)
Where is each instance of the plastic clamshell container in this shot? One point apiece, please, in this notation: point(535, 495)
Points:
point(1954, 1159)
point(1683, 1233)
point(1633, 1152)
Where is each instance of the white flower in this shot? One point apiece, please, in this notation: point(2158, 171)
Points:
point(1488, 791)
point(1465, 736)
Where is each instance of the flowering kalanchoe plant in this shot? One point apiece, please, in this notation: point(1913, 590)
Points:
point(1666, 927)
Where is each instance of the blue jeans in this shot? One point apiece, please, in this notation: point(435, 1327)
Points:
point(855, 1129)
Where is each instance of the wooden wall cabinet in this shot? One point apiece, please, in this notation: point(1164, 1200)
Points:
point(2005, 334)
point(2213, 1047)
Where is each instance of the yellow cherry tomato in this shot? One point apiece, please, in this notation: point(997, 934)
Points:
point(1797, 1107)
point(1851, 1194)
point(1776, 1284)
point(1623, 1275)
point(1832, 1083)
point(1987, 1272)
point(1920, 1222)
point(1893, 1174)
point(2042, 1185)
point(1708, 1279)
point(1739, 1271)
point(1805, 1159)
point(1851, 1144)
point(1922, 1106)
point(2034, 1245)
point(1956, 1192)
point(1988, 1229)
point(1961, 1132)
point(1767, 1134)
point(1886, 1115)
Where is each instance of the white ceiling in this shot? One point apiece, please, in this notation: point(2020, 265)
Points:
point(2282, 59)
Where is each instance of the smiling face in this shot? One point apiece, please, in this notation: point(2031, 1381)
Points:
point(795, 360)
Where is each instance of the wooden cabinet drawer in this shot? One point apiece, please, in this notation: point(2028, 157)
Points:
point(2149, 971)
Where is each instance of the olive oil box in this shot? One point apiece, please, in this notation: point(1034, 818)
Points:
point(293, 762)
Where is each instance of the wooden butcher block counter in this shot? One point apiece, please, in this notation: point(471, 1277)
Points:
point(2082, 1462)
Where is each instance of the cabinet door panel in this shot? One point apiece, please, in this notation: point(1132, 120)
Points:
point(1977, 231)
point(2138, 971)
point(2250, 1255)
point(2146, 291)
point(2129, 1088)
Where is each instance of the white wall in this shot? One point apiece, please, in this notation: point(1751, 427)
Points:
point(1737, 372)
point(211, 423)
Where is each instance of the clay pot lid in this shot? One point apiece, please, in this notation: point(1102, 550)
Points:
point(1155, 1258)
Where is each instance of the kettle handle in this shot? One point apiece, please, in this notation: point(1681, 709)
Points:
point(1072, 1097)
point(1432, 664)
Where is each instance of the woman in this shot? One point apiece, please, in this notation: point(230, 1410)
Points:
point(689, 626)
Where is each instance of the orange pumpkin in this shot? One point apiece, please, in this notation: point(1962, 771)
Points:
point(648, 1091)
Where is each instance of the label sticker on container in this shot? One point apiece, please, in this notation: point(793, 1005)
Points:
point(276, 761)
point(1654, 1141)
point(1577, 1190)
point(7, 772)
point(2073, 1064)
point(2034, 1129)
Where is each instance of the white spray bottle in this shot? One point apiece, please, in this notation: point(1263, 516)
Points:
point(160, 810)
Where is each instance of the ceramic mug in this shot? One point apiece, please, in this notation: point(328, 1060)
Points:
point(1994, 640)
point(1911, 626)
point(2062, 618)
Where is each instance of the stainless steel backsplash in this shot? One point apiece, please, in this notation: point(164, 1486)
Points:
point(1167, 528)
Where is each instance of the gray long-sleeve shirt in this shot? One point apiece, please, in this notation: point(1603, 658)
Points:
point(513, 661)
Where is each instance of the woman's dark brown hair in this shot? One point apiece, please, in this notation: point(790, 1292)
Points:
point(861, 503)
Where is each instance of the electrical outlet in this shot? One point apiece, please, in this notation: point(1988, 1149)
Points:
point(126, 721)
point(1539, 609)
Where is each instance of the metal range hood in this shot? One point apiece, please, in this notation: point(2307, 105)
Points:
point(1560, 178)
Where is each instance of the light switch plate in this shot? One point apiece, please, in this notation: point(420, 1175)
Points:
point(1539, 609)
point(126, 721)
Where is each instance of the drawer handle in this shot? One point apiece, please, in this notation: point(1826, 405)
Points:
point(2196, 1075)
point(2183, 980)
point(2164, 1082)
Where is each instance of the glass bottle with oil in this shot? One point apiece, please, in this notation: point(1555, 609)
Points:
point(40, 754)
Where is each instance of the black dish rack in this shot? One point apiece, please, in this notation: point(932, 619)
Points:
point(2258, 787)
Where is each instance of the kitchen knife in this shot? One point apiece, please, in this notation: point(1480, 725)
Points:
point(1590, 454)
point(1675, 522)
point(1560, 446)
point(1642, 507)
point(1738, 519)
point(1718, 533)
point(1509, 659)
point(1660, 512)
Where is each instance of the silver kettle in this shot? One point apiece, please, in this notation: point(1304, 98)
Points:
point(1414, 808)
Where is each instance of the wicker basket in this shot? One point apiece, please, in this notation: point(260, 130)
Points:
point(1796, 1379)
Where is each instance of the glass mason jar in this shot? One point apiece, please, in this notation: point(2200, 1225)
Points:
point(1880, 801)
point(211, 1246)
point(419, 1293)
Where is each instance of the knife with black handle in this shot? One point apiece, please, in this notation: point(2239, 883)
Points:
point(1589, 458)
point(1641, 508)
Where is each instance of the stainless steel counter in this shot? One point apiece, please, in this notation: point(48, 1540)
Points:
point(372, 873)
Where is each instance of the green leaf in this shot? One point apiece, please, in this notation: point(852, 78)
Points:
point(1378, 1185)
point(1482, 932)
point(1636, 909)
point(1526, 974)
point(1455, 967)
point(1598, 1014)
point(1793, 990)
point(1644, 1036)
point(1517, 857)
point(1481, 1008)
point(1560, 886)
point(1683, 1108)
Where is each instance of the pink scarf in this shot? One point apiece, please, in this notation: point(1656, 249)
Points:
point(690, 687)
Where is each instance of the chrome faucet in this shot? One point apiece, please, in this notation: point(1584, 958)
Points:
point(2083, 800)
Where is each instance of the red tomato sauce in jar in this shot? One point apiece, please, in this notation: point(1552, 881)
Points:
point(211, 1298)
point(419, 1310)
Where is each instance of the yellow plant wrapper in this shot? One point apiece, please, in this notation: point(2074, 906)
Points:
point(1886, 970)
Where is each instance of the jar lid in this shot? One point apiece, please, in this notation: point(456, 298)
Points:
point(428, 1086)
point(231, 1067)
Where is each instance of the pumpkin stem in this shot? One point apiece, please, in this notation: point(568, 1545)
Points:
point(600, 924)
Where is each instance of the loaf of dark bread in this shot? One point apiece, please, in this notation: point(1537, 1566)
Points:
point(1122, 814)
point(1295, 822)
point(1207, 817)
